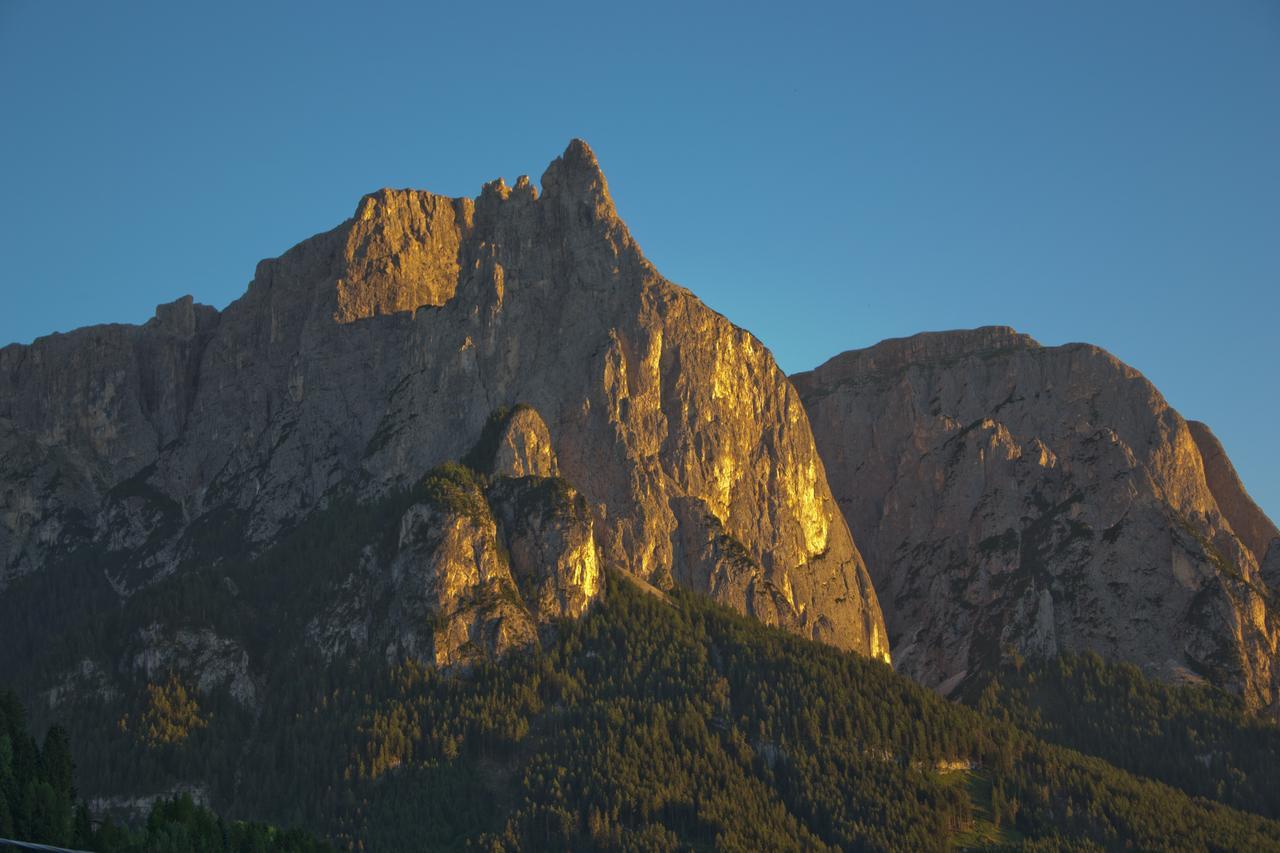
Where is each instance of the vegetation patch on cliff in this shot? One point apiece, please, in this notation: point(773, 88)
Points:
point(457, 489)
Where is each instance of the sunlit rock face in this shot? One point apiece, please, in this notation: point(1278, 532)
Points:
point(366, 356)
point(478, 567)
point(399, 253)
point(548, 530)
point(1018, 498)
point(454, 597)
point(522, 445)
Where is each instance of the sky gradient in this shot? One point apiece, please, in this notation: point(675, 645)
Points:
point(826, 176)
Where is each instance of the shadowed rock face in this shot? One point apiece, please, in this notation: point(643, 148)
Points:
point(1013, 497)
point(82, 412)
point(368, 355)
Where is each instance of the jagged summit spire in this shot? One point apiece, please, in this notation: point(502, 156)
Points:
point(575, 176)
point(578, 157)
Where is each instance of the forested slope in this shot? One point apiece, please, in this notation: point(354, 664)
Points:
point(1199, 739)
point(656, 724)
point(38, 804)
point(653, 725)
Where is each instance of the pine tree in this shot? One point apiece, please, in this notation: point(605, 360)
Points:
point(56, 762)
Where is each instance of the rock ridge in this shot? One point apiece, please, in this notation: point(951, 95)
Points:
point(899, 353)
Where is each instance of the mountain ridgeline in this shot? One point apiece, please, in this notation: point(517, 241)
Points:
point(427, 540)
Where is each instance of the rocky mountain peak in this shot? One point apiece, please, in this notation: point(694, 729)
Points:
point(575, 178)
point(640, 432)
point(400, 253)
point(1038, 500)
point(405, 249)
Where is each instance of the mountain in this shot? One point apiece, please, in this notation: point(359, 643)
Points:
point(464, 528)
point(1250, 524)
point(1020, 500)
point(366, 356)
point(505, 381)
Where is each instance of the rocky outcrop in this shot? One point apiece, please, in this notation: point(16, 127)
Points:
point(213, 661)
point(548, 531)
point(515, 442)
point(399, 253)
point(454, 596)
point(1271, 565)
point(479, 571)
point(368, 355)
point(524, 447)
point(1018, 498)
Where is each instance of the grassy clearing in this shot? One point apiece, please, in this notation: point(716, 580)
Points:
point(984, 832)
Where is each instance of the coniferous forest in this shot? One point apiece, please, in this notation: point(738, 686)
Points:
point(38, 803)
point(661, 723)
point(1198, 739)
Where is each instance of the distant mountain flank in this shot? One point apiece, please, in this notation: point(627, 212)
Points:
point(1019, 499)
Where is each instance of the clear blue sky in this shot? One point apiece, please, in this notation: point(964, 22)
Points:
point(825, 175)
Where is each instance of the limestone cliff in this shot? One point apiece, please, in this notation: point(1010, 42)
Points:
point(1013, 497)
point(367, 356)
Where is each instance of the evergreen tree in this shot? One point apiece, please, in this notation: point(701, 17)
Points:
point(55, 759)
